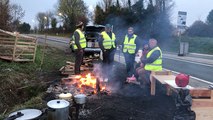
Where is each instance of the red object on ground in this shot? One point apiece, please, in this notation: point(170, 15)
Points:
point(182, 80)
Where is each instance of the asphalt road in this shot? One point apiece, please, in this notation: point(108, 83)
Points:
point(200, 71)
point(58, 42)
point(197, 70)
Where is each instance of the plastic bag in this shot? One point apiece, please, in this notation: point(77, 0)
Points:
point(183, 103)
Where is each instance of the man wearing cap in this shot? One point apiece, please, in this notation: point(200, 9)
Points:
point(78, 43)
point(130, 47)
point(107, 44)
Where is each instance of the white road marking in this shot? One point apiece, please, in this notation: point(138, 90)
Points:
point(201, 54)
point(188, 61)
point(198, 79)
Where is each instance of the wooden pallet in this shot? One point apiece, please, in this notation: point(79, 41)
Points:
point(16, 47)
point(202, 103)
point(69, 68)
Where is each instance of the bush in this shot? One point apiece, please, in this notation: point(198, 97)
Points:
point(196, 44)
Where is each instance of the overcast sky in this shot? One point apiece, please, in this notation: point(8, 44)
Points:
point(196, 9)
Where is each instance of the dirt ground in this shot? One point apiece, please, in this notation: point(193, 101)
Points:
point(126, 102)
point(130, 102)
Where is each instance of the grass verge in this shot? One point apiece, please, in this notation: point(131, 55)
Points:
point(196, 44)
point(21, 82)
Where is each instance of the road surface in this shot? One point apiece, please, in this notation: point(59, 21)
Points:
point(203, 71)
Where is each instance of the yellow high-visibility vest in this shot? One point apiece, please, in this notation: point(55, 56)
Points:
point(129, 45)
point(157, 64)
point(82, 41)
point(108, 42)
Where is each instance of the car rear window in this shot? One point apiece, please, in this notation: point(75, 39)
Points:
point(94, 29)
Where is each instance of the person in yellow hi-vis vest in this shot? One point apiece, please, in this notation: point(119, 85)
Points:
point(130, 48)
point(107, 43)
point(152, 61)
point(78, 43)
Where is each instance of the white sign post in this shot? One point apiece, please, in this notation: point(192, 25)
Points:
point(181, 26)
point(181, 21)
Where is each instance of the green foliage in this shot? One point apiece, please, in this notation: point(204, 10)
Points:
point(21, 81)
point(196, 44)
point(210, 18)
point(24, 28)
point(199, 44)
point(199, 29)
point(99, 15)
point(53, 23)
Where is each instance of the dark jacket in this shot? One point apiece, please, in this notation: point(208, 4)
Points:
point(154, 56)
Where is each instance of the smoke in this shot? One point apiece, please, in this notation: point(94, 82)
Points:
point(115, 76)
point(107, 74)
point(149, 21)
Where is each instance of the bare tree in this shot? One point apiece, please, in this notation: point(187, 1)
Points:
point(17, 14)
point(41, 18)
point(106, 4)
point(126, 3)
point(4, 14)
point(72, 11)
point(48, 18)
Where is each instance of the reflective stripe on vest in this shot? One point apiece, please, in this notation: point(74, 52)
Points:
point(108, 42)
point(129, 45)
point(157, 64)
point(82, 40)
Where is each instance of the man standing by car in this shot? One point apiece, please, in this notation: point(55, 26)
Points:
point(107, 44)
point(130, 47)
point(78, 43)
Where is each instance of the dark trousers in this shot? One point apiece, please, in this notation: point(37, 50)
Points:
point(78, 61)
point(108, 59)
point(130, 60)
point(108, 56)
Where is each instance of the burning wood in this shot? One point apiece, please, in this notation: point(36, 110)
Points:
point(86, 83)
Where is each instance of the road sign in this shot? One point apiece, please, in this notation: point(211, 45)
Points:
point(181, 22)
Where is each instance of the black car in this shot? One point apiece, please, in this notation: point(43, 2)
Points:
point(92, 32)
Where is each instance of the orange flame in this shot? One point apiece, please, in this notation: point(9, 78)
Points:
point(90, 81)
